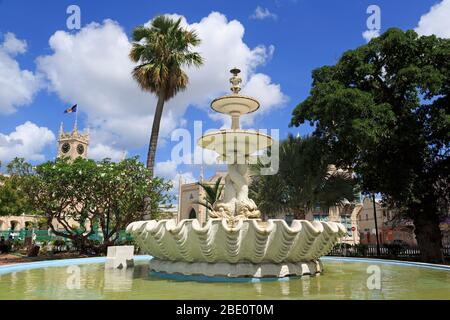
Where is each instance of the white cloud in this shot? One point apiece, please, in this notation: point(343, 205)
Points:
point(12, 45)
point(168, 170)
point(27, 141)
point(268, 93)
point(436, 21)
point(100, 151)
point(17, 86)
point(370, 34)
point(92, 68)
point(261, 13)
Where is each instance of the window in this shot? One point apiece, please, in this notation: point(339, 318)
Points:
point(367, 217)
point(192, 214)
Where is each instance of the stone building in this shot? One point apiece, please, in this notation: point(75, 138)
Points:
point(347, 214)
point(73, 144)
point(390, 227)
point(189, 193)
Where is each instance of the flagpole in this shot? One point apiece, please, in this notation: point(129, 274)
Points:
point(75, 127)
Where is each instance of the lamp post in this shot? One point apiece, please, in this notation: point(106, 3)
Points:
point(376, 224)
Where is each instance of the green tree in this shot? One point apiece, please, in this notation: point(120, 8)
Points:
point(212, 194)
point(81, 194)
point(383, 110)
point(13, 200)
point(161, 50)
point(304, 180)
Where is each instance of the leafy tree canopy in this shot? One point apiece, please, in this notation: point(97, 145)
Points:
point(83, 193)
point(13, 200)
point(384, 110)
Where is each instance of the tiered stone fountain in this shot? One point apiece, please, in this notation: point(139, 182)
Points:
point(235, 242)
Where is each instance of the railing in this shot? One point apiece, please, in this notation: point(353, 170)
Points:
point(48, 236)
point(385, 251)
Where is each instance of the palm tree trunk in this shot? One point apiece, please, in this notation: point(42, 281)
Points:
point(155, 133)
point(151, 154)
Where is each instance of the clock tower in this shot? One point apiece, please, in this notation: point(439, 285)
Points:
point(73, 144)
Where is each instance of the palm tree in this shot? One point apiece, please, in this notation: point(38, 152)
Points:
point(304, 181)
point(338, 188)
point(161, 50)
point(213, 194)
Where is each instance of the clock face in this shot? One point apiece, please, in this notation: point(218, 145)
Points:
point(65, 147)
point(80, 149)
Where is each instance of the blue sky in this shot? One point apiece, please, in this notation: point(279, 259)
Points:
point(45, 68)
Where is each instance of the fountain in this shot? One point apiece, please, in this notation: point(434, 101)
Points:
point(234, 242)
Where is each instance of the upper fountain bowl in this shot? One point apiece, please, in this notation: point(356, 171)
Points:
point(235, 104)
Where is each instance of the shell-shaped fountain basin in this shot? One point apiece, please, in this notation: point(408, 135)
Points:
point(228, 142)
point(235, 104)
point(249, 248)
point(249, 240)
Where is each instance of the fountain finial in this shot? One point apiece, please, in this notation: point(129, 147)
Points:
point(235, 80)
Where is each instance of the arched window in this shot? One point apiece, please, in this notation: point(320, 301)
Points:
point(15, 225)
point(192, 214)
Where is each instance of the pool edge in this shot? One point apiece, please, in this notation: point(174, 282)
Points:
point(18, 267)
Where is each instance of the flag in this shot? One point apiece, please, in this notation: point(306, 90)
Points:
point(71, 109)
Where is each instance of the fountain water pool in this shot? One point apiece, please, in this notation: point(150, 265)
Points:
point(344, 278)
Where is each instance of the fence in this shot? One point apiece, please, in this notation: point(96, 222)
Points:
point(48, 236)
point(388, 251)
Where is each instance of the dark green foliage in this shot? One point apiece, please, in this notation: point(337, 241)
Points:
point(304, 181)
point(13, 200)
point(383, 110)
point(82, 193)
point(213, 194)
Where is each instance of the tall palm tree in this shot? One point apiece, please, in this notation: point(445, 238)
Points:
point(161, 50)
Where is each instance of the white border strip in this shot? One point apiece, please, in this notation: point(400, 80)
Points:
point(59, 263)
point(391, 262)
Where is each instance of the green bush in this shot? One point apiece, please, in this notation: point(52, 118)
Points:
point(17, 245)
point(58, 244)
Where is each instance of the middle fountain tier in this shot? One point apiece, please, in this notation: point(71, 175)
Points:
point(236, 147)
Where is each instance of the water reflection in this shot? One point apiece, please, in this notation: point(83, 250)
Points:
point(305, 281)
point(118, 280)
point(340, 281)
point(284, 284)
point(258, 288)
